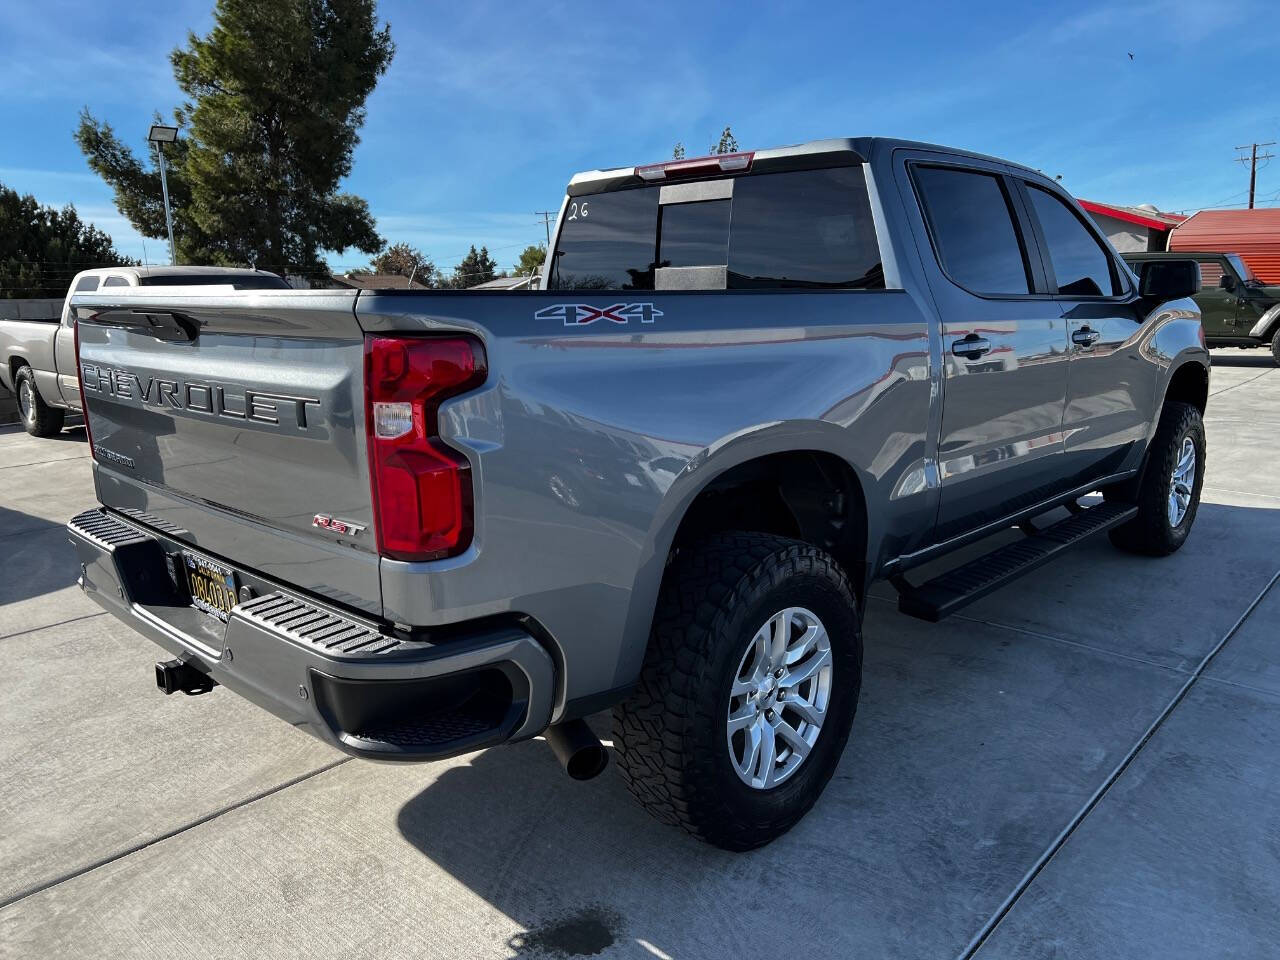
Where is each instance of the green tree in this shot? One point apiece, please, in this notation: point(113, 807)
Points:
point(42, 248)
point(275, 99)
point(728, 143)
point(531, 260)
point(474, 268)
point(403, 260)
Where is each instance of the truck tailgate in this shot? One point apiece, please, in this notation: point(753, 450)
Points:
point(237, 420)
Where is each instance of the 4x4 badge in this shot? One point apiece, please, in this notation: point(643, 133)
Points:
point(581, 314)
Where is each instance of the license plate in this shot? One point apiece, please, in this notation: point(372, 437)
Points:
point(212, 585)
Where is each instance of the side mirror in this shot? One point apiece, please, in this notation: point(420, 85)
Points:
point(1162, 280)
point(1228, 282)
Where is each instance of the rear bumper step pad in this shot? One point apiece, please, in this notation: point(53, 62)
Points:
point(341, 677)
point(956, 589)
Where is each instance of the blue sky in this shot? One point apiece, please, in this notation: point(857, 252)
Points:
point(489, 108)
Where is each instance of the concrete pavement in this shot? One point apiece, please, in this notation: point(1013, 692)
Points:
point(1083, 764)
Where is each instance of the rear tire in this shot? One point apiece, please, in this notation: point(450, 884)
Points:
point(39, 419)
point(684, 738)
point(1168, 495)
point(1275, 345)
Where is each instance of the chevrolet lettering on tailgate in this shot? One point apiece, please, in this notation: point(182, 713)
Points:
point(199, 396)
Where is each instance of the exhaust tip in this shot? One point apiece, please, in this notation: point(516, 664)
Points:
point(579, 751)
point(588, 762)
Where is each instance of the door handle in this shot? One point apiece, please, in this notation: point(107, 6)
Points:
point(1085, 337)
point(971, 347)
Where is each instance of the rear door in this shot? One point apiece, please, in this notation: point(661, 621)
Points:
point(1004, 343)
point(237, 419)
point(1112, 387)
point(1218, 306)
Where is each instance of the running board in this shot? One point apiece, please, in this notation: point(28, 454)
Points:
point(956, 589)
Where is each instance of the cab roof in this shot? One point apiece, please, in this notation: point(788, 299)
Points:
point(838, 151)
point(175, 270)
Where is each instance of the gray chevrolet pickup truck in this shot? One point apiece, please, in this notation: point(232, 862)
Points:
point(37, 358)
point(417, 524)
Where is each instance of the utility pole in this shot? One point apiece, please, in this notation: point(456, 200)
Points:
point(546, 216)
point(1253, 164)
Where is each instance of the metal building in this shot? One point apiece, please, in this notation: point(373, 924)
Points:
point(1254, 234)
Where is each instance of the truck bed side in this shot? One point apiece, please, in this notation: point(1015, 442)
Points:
point(31, 343)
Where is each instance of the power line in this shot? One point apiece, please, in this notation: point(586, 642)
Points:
point(1253, 164)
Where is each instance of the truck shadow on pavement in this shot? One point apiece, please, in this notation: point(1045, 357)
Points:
point(1263, 359)
point(564, 860)
point(36, 557)
point(976, 741)
point(71, 433)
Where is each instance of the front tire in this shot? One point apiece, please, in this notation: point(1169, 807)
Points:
point(38, 418)
point(748, 689)
point(1275, 345)
point(1169, 493)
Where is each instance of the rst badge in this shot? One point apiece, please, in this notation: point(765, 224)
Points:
point(582, 314)
point(334, 525)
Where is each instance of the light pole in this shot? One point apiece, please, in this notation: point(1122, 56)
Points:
point(161, 134)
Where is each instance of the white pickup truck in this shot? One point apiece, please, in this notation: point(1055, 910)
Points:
point(39, 357)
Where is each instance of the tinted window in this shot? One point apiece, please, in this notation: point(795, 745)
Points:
point(972, 228)
point(86, 284)
point(1079, 261)
point(811, 228)
point(607, 242)
point(694, 234)
point(115, 282)
point(245, 282)
point(1210, 274)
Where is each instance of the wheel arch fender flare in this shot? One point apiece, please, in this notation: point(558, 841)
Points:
point(700, 472)
point(1187, 381)
point(1267, 324)
point(12, 364)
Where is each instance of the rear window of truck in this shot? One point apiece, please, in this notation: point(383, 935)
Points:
point(238, 281)
point(801, 229)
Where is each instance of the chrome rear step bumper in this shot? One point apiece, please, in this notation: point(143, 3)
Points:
point(343, 677)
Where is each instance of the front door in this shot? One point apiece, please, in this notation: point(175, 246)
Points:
point(1111, 388)
point(1004, 343)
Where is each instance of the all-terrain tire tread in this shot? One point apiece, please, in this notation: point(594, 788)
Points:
point(653, 728)
point(1149, 532)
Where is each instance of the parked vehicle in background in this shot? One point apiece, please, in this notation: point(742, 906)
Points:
point(1237, 309)
point(39, 356)
point(417, 524)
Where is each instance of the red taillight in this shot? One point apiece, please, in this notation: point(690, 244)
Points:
point(697, 166)
point(421, 488)
point(84, 407)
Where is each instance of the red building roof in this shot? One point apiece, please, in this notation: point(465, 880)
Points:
point(1142, 216)
point(1254, 234)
